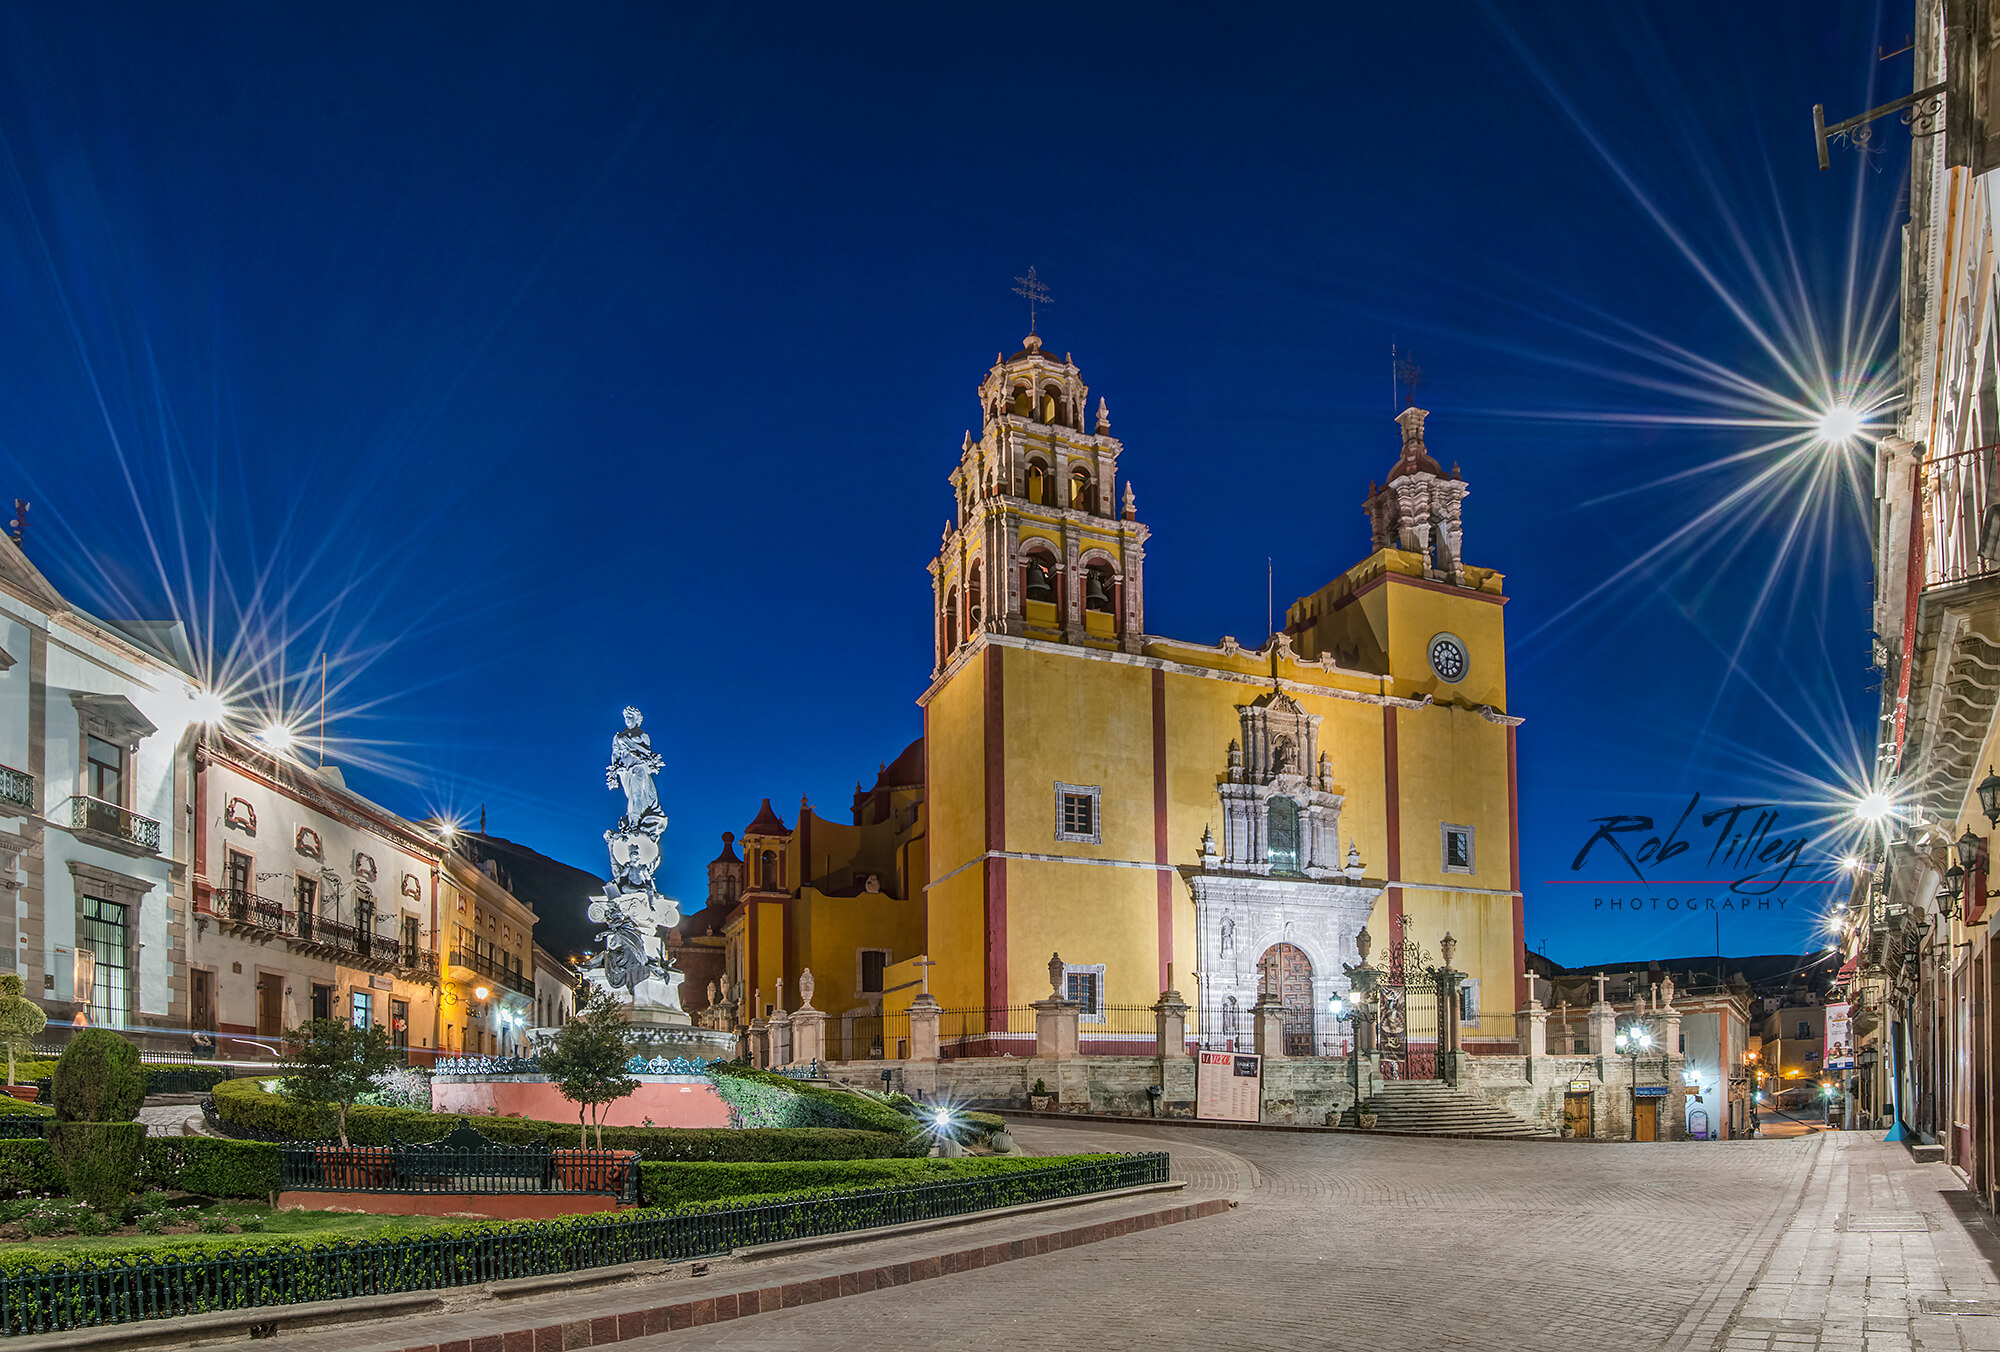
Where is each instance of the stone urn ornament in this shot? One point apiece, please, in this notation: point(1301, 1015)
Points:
point(1363, 942)
point(806, 988)
point(1447, 947)
point(1055, 976)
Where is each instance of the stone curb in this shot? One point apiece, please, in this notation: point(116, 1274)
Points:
point(263, 1321)
point(778, 1247)
point(603, 1330)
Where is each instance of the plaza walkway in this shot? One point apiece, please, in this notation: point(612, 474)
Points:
point(1828, 1243)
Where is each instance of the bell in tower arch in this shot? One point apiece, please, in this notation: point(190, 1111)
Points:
point(1094, 595)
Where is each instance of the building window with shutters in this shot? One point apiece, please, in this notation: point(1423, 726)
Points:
point(104, 934)
point(1077, 813)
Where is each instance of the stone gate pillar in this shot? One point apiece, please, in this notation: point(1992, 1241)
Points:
point(1056, 1028)
point(1531, 1027)
point(924, 1012)
point(1268, 1018)
point(1170, 1025)
point(808, 1035)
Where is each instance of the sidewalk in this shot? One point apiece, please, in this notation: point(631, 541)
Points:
point(1881, 1254)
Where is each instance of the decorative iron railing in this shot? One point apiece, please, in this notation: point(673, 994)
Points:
point(246, 908)
point(464, 1161)
point(487, 967)
point(986, 1032)
point(868, 1037)
point(108, 819)
point(23, 1126)
point(809, 1071)
point(422, 961)
point(17, 787)
point(1961, 516)
point(85, 1293)
point(532, 1065)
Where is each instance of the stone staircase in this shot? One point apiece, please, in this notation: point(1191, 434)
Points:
point(1432, 1108)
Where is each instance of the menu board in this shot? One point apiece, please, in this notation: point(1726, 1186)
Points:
point(1228, 1087)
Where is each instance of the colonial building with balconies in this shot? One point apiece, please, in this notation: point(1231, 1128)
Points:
point(94, 717)
point(310, 902)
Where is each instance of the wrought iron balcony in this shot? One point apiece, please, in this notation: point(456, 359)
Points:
point(420, 962)
point(17, 789)
point(340, 940)
point(237, 908)
point(487, 967)
point(121, 825)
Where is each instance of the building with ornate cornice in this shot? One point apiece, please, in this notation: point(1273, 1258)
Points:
point(1166, 813)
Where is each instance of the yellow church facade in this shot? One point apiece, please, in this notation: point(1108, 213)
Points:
point(1207, 817)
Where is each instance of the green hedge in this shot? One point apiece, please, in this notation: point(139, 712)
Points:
point(246, 1104)
point(197, 1164)
point(760, 1098)
point(11, 1106)
point(212, 1167)
point(179, 1079)
point(89, 1286)
point(28, 1167)
point(674, 1185)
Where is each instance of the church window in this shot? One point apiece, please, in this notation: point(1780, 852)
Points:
point(1051, 404)
point(1282, 836)
point(951, 623)
point(1081, 498)
point(1076, 813)
point(972, 602)
point(873, 962)
point(767, 870)
point(1041, 584)
point(1457, 842)
point(1084, 983)
point(1024, 402)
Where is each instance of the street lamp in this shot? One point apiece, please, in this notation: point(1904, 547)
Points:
point(1632, 1040)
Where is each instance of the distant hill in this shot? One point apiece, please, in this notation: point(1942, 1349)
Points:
point(557, 892)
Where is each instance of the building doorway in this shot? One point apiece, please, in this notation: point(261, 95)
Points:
point(1576, 1115)
point(1646, 1119)
point(201, 995)
point(270, 1004)
point(1287, 973)
point(399, 1023)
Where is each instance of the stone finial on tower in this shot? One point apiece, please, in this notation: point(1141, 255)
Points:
point(1103, 417)
point(1131, 505)
point(1417, 507)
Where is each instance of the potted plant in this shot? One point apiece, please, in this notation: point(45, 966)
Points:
point(1039, 1098)
point(336, 1063)
point(1367, 1116)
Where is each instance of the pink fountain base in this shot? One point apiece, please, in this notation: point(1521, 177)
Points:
point(668, 1100)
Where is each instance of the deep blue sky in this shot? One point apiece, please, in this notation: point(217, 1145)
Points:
point(541, 359)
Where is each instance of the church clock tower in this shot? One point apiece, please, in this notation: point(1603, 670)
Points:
point(1041, 545)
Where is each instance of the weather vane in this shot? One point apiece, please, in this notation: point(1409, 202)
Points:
point(1036, 292)
point(1409, 375)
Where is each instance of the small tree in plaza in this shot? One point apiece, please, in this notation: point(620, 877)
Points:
point(586, 1061)
point(336, 1063)
point(21, 1019)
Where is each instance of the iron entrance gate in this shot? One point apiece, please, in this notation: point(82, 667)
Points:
point(1407, 1033)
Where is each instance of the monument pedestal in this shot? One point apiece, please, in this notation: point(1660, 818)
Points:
point(670, 1033)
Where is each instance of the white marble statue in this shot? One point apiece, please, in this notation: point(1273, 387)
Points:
point(632, 955)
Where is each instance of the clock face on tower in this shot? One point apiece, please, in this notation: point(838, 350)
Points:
point(1448, 658)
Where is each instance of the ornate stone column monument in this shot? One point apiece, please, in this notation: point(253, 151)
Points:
point(632, 960)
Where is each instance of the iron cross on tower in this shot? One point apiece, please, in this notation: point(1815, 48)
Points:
point(1036, 292)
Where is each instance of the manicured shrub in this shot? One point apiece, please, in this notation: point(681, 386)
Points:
point(759, 1098)
point(183, 1079)
point(99, 1079)
point(671, 1185)
point(247, 1105)
point(212, 1167)
point(13, 1107)
point(100, 1159)
point(29, 1167)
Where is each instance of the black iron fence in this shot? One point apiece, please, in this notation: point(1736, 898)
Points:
point(868, 1037)
point(17, 1126)
point(464, 1161)
point(86, 1293)
point(995, 1031)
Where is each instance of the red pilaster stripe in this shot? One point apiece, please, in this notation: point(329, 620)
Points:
point(1392, 791)
point(1514, 853)
point(1162, 879)
point(755, 973)
point(996, 829)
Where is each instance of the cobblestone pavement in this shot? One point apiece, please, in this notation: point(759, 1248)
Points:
point(1393, 1243)
point(166, 1119)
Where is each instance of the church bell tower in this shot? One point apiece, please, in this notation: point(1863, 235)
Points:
point(1041, 545)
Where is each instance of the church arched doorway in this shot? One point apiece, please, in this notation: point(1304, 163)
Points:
point(1286, 973)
